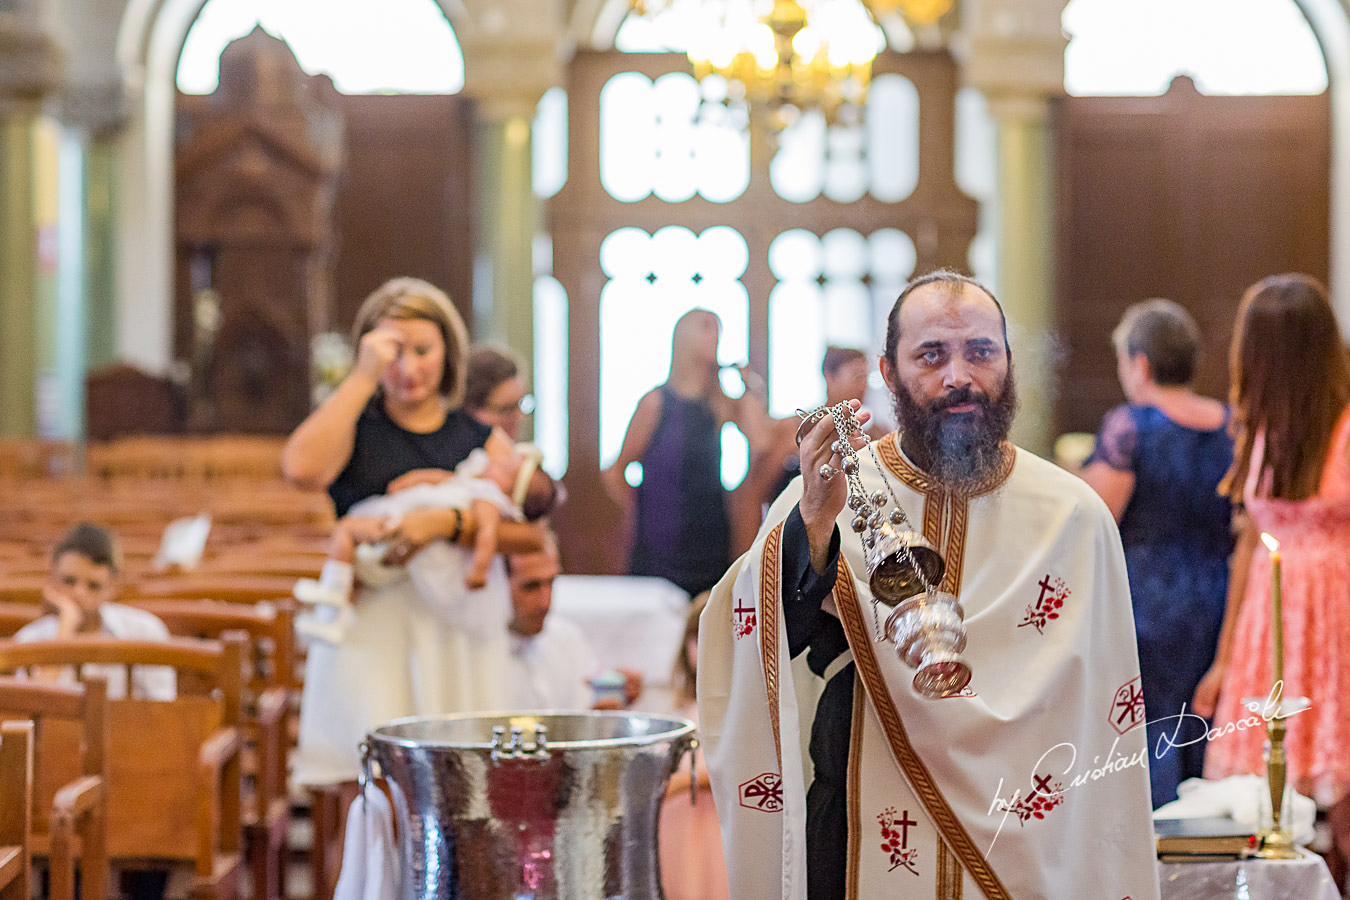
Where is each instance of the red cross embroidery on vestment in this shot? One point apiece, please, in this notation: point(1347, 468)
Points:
point(1047, 605)
point(763, 792)
point(1042, 798)
point(742, 620)
point(1127, 706)
point(895, 839)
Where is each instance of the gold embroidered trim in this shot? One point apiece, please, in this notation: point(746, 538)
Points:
point(934, 506)
point(950, 879)
point(940, 883)
point(888, 448)
point(902, 751)
point(958, 521)
point(770, 576)
point(854, 789)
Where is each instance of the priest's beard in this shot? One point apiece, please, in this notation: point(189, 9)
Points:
point(960, 450)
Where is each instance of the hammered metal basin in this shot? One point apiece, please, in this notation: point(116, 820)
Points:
point(504, 819)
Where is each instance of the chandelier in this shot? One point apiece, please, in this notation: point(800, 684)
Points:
point(784, 58)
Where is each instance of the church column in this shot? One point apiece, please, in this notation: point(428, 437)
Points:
point(81, 312)
point(31, 70)
point(100, 252)
point(1016, 58)
point(511, 57)
point(509, 217)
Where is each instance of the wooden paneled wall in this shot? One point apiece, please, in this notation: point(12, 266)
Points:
point(405, 198)
point(1182, 196)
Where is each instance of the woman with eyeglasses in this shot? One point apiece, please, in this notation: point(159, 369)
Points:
point(494, 391)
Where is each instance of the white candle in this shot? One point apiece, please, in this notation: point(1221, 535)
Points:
point(1276, 607)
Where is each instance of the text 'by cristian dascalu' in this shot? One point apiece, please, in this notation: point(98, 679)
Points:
point(1048, 789)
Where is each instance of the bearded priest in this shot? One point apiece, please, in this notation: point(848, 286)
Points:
point(833, 776)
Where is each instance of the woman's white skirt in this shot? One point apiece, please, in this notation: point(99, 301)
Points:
point(399, 658)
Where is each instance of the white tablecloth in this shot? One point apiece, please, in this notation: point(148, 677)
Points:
point(1251, 879)
point(633, 623)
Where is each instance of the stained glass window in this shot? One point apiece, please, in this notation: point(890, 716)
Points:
point(657, 137)
point(395, 46)
point(832, 290)
point(1227, 46)
point(843, 163)
point(653, 280)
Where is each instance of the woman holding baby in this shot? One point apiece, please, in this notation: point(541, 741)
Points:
point(396, 423)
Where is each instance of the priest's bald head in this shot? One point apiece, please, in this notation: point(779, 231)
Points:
point(949, 368)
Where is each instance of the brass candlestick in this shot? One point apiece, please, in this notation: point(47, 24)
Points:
point(1276, 841)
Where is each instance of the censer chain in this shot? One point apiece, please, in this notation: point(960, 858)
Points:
point(865, 510)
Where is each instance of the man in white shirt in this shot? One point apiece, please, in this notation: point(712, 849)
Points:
point(551, 663)
point(85, 580)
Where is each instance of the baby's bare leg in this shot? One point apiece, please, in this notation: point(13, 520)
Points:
point(342, 546)
point(485, 542)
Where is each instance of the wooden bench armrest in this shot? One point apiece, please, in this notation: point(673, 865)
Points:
point(217, 753)
point(272, 706)
point(81, 799)
point(11, 864)
point(217, 750)
point(77, 798)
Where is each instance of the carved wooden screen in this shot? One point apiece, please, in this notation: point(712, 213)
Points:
point(254, 177)
point(1182, 196)
point(899, 229)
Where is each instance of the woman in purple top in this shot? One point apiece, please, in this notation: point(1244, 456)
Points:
point(682, 527)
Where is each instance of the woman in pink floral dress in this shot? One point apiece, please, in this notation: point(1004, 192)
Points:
point(1291, 471)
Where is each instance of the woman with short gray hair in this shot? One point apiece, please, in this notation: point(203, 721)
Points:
point(1158, 462)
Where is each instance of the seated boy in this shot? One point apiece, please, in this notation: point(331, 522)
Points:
point(79, 598)
point(500, 481)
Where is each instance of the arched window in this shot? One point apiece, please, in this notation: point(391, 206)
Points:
point(1226, 46)
point(394, 46)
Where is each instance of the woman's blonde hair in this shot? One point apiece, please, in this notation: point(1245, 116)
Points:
point(413, 298)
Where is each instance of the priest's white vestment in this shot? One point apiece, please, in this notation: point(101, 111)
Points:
point(1031, 783)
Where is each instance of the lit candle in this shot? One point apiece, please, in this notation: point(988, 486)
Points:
point(1276, 608)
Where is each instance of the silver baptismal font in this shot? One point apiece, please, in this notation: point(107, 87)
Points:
point(539, 805)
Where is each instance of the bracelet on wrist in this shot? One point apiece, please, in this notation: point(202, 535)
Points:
point(459, 526)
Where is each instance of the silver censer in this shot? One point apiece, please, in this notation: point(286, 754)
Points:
point(925, 625)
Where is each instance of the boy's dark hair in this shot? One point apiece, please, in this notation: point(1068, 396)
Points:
point(94, 543)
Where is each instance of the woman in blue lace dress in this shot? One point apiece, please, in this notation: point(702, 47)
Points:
point(1157, 464)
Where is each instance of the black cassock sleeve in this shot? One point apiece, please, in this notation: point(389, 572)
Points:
point(821, 635)
point(804, 589)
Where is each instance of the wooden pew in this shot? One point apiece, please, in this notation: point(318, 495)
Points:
point(71, 775)
point(270, 684)
point(14, 616)
point(209, 586)
point(22, 589)
point(16, 809)
point(174, 785)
